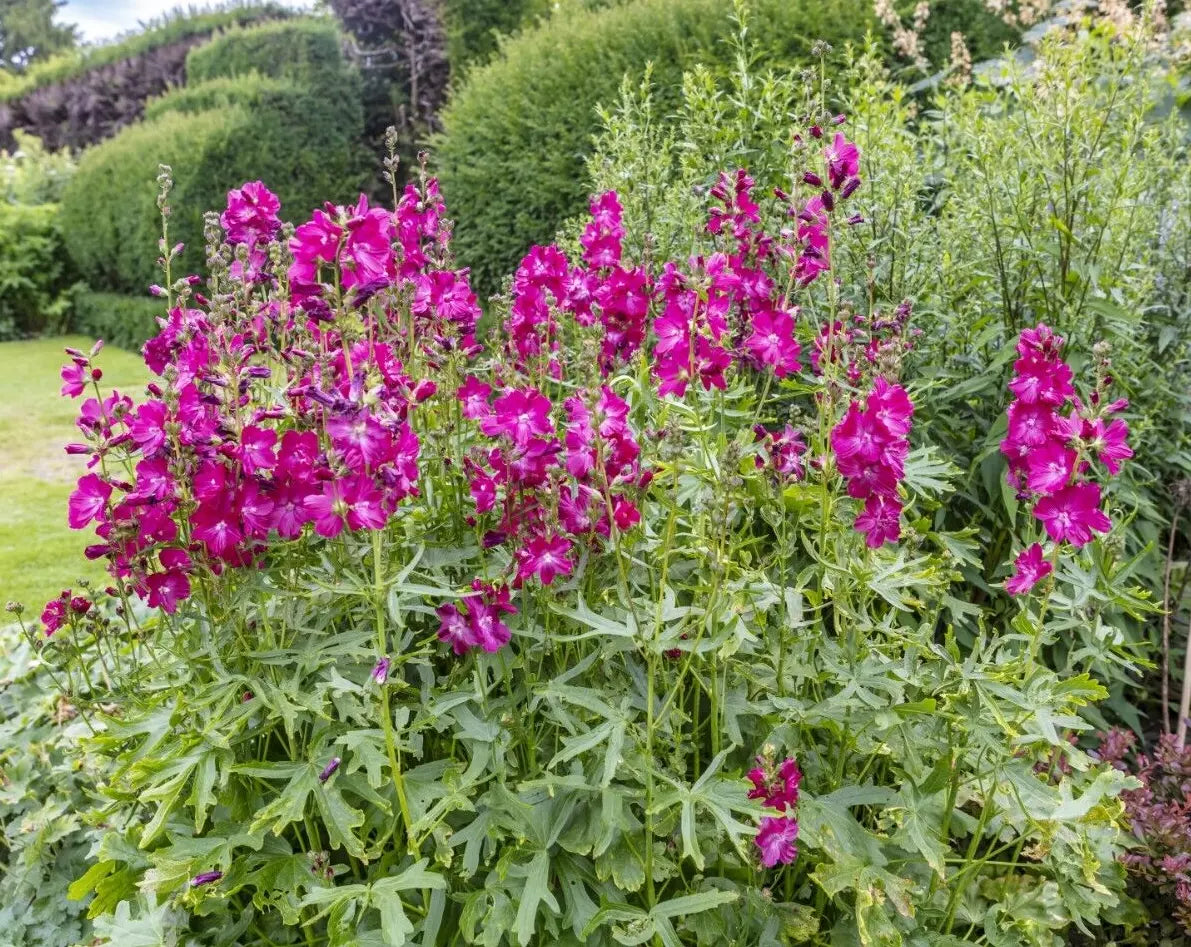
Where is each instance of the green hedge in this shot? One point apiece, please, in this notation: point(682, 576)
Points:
point(473, 26)
point(514, 135)
point(33, 271)
point(250, 90)
point(123, 321)
point(171, 28)
point(302, 140)
point(303, 50)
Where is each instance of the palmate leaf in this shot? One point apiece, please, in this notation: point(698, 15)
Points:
point(345, 902)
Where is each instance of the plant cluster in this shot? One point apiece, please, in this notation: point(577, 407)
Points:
point(1081, 166)
point(567, 631)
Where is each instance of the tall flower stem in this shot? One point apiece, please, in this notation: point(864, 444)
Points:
point(391, 746)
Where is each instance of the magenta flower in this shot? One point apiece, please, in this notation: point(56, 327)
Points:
point(1073, 514)
point(89, 501)
point(53, 616)
point(1109, 443)
point(1049, 468)
point(454, 628)
point(775, 838)
point(519, 414)
point(546, 558)
point(257, 452)
point(880, 521)
point(1029, 568)
point(777, 790)
point(167, 589)
point(601, 238)
point(843, 160)
point(251, 215)
point(772, 342)
point(75, 377)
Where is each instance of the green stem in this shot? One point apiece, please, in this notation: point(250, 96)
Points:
point(391, 746)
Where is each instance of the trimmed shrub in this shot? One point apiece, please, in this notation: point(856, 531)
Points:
point(33, 272)
point(473, 27)
point(515, 134)
point(304, 50)
point(301, 136)
point(252, 90)
point(123, 321)
point(162, 32)
point(80, 99)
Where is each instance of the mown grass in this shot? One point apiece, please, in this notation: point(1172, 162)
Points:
point(39, 553)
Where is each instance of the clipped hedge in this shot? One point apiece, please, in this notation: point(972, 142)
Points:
point(301, 139)
point(33, 271)
point(170, 29)
point(123, 321)
point(304, 50)
point(82, 98)
point(474, 26)
point(515, 134)
point(251, 90)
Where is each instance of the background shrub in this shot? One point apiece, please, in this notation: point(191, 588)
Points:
point(305, 50)
point(80, 98)
point(474, 26)
point(515, 134)
point(31, 174)
point(33, 272)
point(301, 136)
point(124, 321)
point(252, 90)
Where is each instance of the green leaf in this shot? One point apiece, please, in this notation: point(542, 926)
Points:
point(535, 892)
point(694, 903)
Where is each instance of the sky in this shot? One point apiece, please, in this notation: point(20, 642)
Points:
point(103, 19)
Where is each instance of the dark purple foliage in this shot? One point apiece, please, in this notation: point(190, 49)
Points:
point(1159, 816)
point(401, 44)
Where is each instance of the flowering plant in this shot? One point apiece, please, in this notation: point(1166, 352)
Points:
point(423, 628)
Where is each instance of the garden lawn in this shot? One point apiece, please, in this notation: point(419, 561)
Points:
point(39, 553)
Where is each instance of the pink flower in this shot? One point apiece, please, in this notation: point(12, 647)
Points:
point(778, 790)
point(148, 429)
point(251, 215)
point(475, 394)
point(89, 501)
point(53, 616)
point(454, 629)
point(1049, 468)
point(880, 521)
point(519, 414)
point(217, 526)
point(772, 342)
point(1109, 443)
point(1073, 514)
point(545, 558)
point(775, 838)
point(843, 160)
point(601, 238)
point(74, 378)
point(1029, 568)
point(167, 589)
point(256, 449)
point(487, 630)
